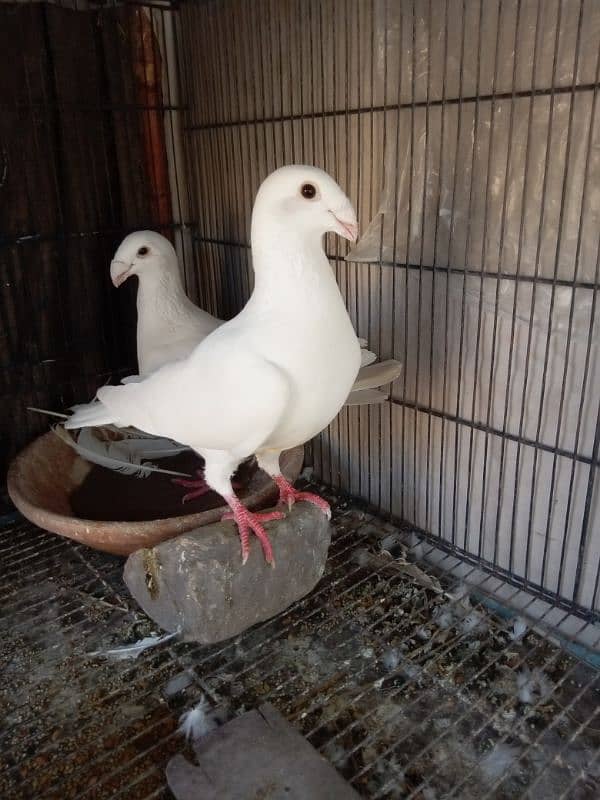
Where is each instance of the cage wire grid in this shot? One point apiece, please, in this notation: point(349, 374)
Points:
point(91, 150)
point(405, 702)
point(507, 474)
point(488, 446)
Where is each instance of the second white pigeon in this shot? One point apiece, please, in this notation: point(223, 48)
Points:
point(169, 325)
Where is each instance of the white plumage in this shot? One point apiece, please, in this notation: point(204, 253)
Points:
point(278, 373)
point(170, 326)
point(198, 721)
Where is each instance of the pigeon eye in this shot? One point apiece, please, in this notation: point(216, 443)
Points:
point(143, 251)
point(308, 191)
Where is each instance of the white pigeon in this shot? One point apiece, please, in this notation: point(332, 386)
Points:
point(274, 376)
point(170, 326)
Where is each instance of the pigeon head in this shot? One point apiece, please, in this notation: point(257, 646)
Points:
point(142, 253)
point(304, 200)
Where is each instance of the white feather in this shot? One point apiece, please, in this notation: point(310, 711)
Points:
point(533, 685)
point(367, 357)
point(519, 629)
point(376, 375)
point(366, 397)
point(130, 651)
point(498, 761)
point(198, 721)
point(391, 658)
point(48, 413)
point(474, 621)
point(124, 456)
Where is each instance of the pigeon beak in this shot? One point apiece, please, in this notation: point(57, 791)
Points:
point(119, 272)
point(346, 227)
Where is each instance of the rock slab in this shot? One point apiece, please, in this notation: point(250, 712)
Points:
point(258, 755)
point(196, 582)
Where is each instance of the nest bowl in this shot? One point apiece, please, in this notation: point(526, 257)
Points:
point(44, 476)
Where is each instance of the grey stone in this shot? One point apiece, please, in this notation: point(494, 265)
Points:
point(196, 581)
point(257, 755)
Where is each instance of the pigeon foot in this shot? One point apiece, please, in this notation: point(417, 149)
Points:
point(289, 495)
point(251, 522)
point(199, 486)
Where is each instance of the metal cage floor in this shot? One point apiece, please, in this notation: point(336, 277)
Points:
point(409, 691)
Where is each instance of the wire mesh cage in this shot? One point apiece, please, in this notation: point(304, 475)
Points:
point(466, 133)
point(91, 149)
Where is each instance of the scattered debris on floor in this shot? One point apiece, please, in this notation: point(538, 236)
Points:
point(408, 685)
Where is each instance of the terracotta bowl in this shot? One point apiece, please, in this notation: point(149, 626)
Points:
point(44, 475)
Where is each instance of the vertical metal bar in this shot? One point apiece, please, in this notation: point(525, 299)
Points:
point(257, 26)
point(342, 419)
point(534, 292)
point(464, 288)
point(234, 231)
point(206, 275)
point(395, 256)
point(171, 100)
point(190, 75)
point(380, 271)
point(239, 265)
point(552, 298)
point(217, 191)
point(268, 52)
point(301, 70)
point(515, 299)
point(590, 329)
point(433, 280)
point(279, 14)
point(242, 191)
point(426, 168)
point(359, 202)
point(413, 101)
point(480, 308)
point(460, 107)
point(410, 159)
point(334, 428)
point(368, 266)
point(585, 524)
point(290, 40)
point(490, 381)
point(348, 185)
point(322, 442)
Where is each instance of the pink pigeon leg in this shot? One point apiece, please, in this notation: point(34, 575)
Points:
point(200, 486)
point(250, 522)
point(289, 495)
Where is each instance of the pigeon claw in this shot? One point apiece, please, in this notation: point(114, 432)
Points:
point(252, 522)
point(199, 486)
point(289, 495)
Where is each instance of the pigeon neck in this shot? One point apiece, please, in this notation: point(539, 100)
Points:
point(286, 256)
point(156, 286)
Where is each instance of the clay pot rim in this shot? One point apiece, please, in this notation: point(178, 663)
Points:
point(119, 536)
